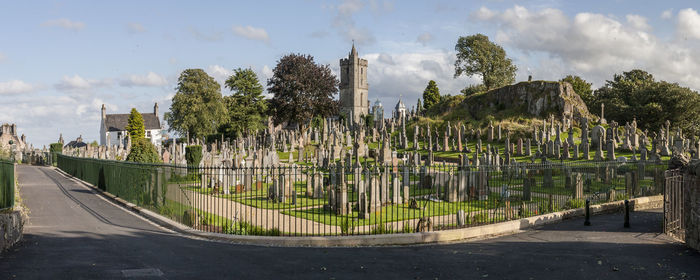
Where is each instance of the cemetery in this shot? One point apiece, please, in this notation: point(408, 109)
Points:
point(328, 181)
point(357, 171)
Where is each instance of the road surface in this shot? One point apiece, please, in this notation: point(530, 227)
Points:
point(73, 233)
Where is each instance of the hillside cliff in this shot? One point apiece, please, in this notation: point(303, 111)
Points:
point(538, 99)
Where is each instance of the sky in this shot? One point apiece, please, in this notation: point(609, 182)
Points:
point(61, 60)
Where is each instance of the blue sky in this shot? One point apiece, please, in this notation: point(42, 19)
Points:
point(60, 60)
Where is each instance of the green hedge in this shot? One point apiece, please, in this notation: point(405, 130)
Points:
point(193, 154)
point(7, 184)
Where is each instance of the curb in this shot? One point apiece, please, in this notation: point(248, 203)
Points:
point(452, 235)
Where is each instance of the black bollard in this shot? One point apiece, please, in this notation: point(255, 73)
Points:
point(588, 213)
point(627, 213)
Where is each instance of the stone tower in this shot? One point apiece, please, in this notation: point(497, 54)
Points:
point(353, 86)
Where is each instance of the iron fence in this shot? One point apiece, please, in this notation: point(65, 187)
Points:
point(7, 184)
point(305, 200)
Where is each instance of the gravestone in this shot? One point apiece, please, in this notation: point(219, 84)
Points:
point(578, 186)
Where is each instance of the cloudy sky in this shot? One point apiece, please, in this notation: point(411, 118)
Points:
point(60, 60)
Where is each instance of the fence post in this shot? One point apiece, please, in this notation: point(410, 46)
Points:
point(588, 213)
point(627, 213)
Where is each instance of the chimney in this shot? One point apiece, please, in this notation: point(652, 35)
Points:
point(104, 112)
point(155, 109)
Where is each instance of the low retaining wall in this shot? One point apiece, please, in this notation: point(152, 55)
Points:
point(11, 227)
point(478, 232)
point(691, 211)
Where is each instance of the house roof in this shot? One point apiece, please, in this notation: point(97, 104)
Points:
point(76, 144)
point(118, 122)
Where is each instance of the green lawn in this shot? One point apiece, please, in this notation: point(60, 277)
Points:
point(400, 212)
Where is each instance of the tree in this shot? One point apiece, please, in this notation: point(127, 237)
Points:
point(302, 89)
point(581, 87)
point(635, 94)
point(473, 89)
point(193, 155)
point(369, 121)
point(197, 108)
point(246, 106)
point(142, 150)
point(431, 95)
point(477, 55)
point(135, 125)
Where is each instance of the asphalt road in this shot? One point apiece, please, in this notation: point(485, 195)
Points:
point(75, 234)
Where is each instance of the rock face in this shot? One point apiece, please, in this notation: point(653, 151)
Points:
point(538, 98)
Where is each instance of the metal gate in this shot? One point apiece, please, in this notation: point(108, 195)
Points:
point(674, 225)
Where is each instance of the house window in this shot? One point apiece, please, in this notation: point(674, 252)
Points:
point(148, 134)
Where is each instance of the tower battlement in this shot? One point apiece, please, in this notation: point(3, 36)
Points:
point(354, 102)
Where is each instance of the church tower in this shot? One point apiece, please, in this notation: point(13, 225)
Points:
point(354, 102)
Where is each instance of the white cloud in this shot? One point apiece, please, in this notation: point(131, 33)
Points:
point(149, 80)
point(483, 14)
point(345, 25)
point(266, 73)
point(65, 23)
point(405, 75)
point(76, 82)
point(424, 38)
point(219, 73)
point(595, 46)
point(15, 87)
point(135, 27)
point(252, 33)
point(638, 22)
point(689, 24)
point(667, 14)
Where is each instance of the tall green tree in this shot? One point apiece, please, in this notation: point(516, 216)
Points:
point(476, 54)
point(246, 106)
point(302, 89)
point(581, 87)
point(431, 95)
point(135, 126)
point(197, 108)
point(636, 94)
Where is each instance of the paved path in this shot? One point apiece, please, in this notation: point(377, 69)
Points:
point(74, 234)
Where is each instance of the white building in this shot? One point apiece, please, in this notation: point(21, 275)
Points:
point(113, 127)
point(400, 110)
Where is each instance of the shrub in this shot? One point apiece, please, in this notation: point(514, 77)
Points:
point(407, 228)
point(189, 218)
point(480, 218)
point(473, 89)
point(143, 151)
point(621, 196)
point(382, 229)
point(193, 154)
point(55, 148)
point(347, 226)
point(575, 203)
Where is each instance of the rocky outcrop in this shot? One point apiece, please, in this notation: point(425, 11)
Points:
point(537, 98)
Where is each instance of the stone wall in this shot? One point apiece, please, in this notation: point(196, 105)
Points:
point(691, 211)
point(11, 227)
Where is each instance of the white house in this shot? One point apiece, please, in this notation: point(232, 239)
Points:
point(113, 127)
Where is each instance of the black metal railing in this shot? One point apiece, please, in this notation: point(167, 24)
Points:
point(304, 200)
